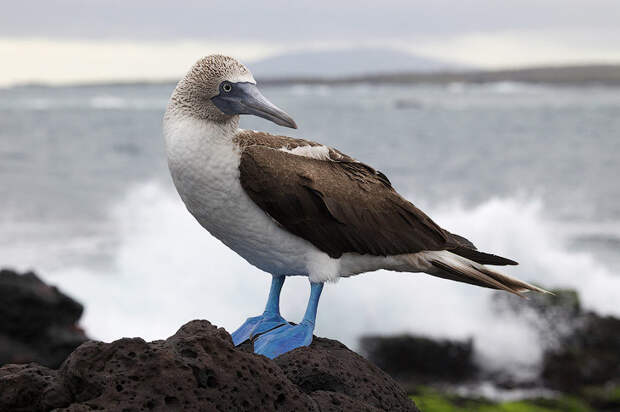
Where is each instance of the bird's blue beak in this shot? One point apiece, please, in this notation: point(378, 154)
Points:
point(245, 98)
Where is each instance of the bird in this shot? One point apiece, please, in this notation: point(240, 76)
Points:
point(295, 207)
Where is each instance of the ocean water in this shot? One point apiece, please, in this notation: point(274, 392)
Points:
point(529, 172)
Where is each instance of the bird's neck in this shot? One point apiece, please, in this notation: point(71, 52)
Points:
point(193, 143)
point(202, 156)
point(183, 131)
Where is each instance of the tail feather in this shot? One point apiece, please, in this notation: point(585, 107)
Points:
point(451, 266)
point(466, 249)
point(461, 273)
point(513, 282)
point(482, 257)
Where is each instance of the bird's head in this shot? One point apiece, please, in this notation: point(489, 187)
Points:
point(219, 88)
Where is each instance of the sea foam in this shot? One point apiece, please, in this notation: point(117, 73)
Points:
point(167, 270)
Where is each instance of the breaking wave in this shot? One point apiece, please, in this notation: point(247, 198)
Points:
point(167, 270)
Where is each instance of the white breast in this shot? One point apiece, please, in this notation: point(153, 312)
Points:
point(204, 164)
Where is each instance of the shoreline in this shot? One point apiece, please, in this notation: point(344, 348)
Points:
point(569, 75)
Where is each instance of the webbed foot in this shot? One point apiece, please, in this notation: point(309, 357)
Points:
point(283, 339)
point(257, 325)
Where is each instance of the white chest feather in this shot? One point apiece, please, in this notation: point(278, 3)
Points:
point(204, 163)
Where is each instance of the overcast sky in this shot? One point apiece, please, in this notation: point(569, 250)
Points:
point(74, 40)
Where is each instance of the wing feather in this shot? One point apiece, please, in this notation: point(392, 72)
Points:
point(339, 206)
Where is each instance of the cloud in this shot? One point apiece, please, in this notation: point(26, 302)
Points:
point(60, 61)
point(108, 40)
point(292, 22)
point(75, 61)
point(522, 48)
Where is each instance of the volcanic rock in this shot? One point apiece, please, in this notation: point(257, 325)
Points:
point(415, 360)
point(581, 348)
point(38, 323)
point(199, 369)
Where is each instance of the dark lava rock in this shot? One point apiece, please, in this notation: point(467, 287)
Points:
point(38, 323)
point(414, 360)
point(581, 348)
point(589, 356)
point(327, 370)
point(199, 369)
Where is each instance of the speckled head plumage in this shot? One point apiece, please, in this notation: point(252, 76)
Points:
point(194, 92)
point(218, 88)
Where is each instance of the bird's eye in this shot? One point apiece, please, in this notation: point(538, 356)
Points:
point(227, 87)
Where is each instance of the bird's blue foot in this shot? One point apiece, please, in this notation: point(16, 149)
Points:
point(256, 325)
point(283, 339)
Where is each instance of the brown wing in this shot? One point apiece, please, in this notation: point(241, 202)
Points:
point(338, 206)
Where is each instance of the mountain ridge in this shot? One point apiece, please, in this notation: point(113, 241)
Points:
point(607, 74)
point(346, 62)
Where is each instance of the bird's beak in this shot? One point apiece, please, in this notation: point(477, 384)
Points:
point(245, 98)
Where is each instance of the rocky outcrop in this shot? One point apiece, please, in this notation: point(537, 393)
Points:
point(581, 348)
point(415, 360)
point(38, 322)
point(589, 356)
point(339, 379)
point(199, 369)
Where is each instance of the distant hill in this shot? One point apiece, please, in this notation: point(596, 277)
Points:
point(608, 74)
point(348, 62)
point(576, 75)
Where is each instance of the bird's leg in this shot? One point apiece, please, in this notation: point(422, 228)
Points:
point(289, 337)
point(270, 319)
point(273, 301)
point(313, 304)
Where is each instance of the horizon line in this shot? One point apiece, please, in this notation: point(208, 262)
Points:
point(405, 76)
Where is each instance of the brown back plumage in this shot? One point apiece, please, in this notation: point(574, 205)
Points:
point(340, 205)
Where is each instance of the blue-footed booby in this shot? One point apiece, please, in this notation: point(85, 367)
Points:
point(295, 207)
